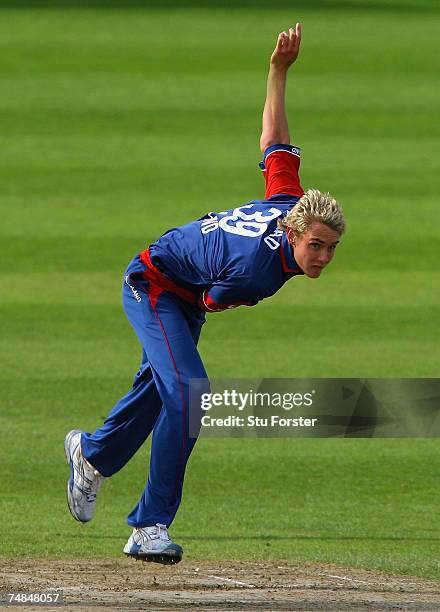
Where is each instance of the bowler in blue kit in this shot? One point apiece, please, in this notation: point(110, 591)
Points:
point(225, 259)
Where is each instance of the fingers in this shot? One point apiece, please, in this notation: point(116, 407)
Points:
point(287, 47)
point(294, 37)
point(289, 41)
point(282, 41)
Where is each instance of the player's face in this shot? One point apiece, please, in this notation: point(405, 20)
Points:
point(314, 249)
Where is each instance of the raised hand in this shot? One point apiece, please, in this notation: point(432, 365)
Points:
point(287, 47)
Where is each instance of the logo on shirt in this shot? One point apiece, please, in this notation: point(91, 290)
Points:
point(134, 291)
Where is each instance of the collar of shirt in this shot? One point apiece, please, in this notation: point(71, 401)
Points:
point(287, 259)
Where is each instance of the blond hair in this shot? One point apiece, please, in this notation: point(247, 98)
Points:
point(314, 206)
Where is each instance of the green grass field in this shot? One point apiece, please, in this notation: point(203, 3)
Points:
point(117, 124)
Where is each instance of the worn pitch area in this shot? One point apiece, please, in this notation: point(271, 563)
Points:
point(125, 584)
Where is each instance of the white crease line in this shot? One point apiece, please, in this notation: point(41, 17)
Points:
point(350, 579)
point(251, 586)
point(339, 577)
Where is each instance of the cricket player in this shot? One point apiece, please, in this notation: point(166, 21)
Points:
point(225, 259)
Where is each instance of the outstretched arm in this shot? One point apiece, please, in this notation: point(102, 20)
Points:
point(275, 126)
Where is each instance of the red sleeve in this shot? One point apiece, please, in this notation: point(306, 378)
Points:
point(280, 168)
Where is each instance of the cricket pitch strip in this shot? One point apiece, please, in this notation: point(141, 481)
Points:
point(127, 584)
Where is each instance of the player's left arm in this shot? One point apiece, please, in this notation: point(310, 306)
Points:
point(281, 160)
point(225, 294)
point(275, 125)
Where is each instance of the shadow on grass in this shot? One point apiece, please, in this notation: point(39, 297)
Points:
point(267, 537)
point(413, 6)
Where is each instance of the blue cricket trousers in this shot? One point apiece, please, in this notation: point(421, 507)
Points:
point(168, 329)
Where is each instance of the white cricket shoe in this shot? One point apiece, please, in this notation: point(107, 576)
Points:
point(84, 482)
point(153, 544)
